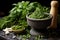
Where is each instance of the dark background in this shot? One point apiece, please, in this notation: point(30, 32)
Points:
point(6, 5)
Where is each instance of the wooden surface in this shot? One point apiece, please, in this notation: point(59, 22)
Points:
point(54, 13)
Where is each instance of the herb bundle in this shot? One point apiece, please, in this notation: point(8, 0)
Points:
point(18, 13)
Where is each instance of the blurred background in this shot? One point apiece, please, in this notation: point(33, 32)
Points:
point(6, 5)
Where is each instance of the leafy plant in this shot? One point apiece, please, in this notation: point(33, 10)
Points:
point(17, 27)
point(18, 13)
point(39, 13)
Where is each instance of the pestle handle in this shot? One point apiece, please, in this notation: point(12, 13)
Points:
point(54, 13)
point(54, 0)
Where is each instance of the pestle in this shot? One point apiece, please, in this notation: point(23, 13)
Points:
point(54, 13)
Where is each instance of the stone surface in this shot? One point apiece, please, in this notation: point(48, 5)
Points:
point(49, 35)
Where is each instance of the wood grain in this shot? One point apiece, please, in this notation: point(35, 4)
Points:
point(54, 13)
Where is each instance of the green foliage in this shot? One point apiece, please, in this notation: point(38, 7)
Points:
point(18, 13)
point(39, 13)
point(17, 27)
